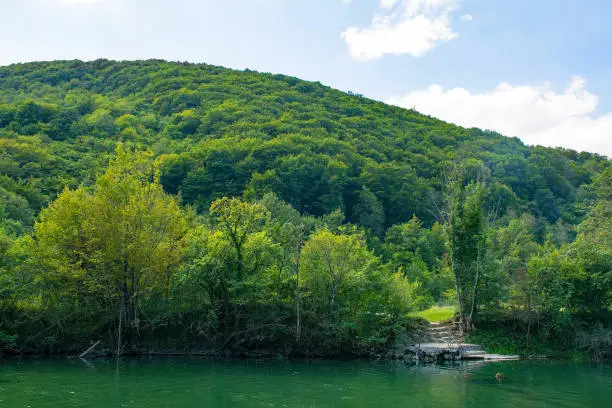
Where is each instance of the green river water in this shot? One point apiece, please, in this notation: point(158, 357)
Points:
point(204, 383)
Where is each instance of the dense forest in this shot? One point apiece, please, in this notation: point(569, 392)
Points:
point(174, 206)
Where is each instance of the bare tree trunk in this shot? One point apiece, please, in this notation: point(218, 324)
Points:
point(459, 296)
point(120, 330)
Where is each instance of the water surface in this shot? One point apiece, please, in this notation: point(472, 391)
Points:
point(203, 383)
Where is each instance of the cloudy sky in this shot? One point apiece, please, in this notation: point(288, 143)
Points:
point(537, 69)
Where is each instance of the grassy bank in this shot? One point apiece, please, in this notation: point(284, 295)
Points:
point(436, 313)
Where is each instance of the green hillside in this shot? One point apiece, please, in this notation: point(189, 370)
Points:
point(321, 176)
point(317, 148)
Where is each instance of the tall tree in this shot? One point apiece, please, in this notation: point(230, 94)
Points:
point(592, 252)
point(239, 219)
point(124, 241)
point(467, 240)
point(334, 266)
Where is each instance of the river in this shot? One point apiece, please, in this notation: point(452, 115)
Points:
point(153, 383)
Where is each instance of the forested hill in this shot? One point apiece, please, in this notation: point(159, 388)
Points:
point(228, 133)
point(155, 205)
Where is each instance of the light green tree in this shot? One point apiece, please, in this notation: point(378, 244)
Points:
point(123, 241)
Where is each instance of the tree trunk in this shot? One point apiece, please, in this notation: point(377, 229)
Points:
point(298, 322)
point(119, 330)
point(528, 319)
point(459, 295)
point(470, 325)
point(333, 299)
point(298, 294)
point(239, 261)
point(298, 301)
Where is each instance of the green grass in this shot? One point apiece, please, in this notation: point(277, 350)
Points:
point(436, 313)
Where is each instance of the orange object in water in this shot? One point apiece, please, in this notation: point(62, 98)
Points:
point(499, 377)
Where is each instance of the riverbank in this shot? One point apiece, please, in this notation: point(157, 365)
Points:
point(494, 336)
point(407, 353)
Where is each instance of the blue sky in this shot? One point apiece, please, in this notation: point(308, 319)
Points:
point(537, 69)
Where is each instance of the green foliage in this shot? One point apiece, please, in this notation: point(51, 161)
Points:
point(7, 343)
point(227, 132)
point(244, 210)
point(114, 246)
point(467, 242)
point(591, 253)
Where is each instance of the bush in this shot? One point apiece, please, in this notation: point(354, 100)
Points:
point(596, 342)
point(7, 343)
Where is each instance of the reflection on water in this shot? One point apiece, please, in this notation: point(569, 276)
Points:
point(203, 383)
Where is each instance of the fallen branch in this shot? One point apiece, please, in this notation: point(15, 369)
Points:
point(89, 350)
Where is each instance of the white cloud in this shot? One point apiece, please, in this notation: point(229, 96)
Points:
point(537, 114)
point(405, 27)
point(467, 17)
